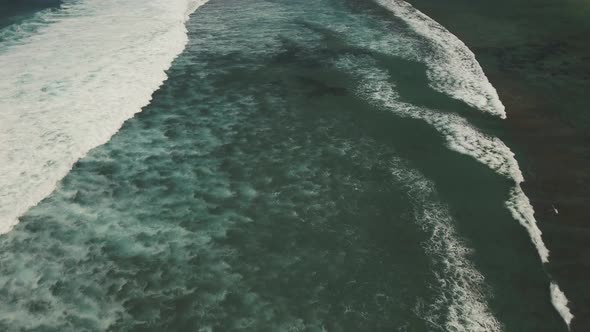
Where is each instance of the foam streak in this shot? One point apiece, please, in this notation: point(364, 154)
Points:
point(461, 137)
point(453, 68)
point(460, 305)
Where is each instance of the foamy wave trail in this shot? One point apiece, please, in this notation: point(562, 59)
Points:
point(70, 85)
point(461, 305)
point(453, 68)
point(462, 137)
point(560, 303)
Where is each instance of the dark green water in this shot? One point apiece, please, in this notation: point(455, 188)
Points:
point(537, 55)
point(14, 11)
point(270, 187)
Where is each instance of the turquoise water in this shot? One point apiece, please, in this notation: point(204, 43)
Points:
point(272, 185)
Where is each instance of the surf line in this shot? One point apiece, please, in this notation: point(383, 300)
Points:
point(76, 90)
point(460, 76)
point(467, 309)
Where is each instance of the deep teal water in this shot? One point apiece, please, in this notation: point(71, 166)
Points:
point(14, 11)
point(259, 191)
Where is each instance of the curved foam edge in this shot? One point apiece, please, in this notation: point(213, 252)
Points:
point(466, 309)
point(560, 303)
point(522, 210)
point(87, 71)
point(461, 137)
point(453, 68)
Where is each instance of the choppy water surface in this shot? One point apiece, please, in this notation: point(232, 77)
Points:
point(307, 166)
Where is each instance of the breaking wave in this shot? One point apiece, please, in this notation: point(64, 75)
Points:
point(89, 67)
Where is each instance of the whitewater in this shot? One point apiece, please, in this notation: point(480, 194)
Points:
point(466, 310)
point(69, 87)
point(454, 70)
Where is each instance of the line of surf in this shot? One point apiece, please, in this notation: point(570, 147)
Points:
point(375, 86)
point(453, 68)
point(460, 305)
point(70, 85)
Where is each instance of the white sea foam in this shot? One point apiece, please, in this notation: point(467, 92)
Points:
point(522, 210)
point(560, 303)
point(462, 137)
point(461, 304)
point(453, 68)
point(466, 139)
point(69, 87)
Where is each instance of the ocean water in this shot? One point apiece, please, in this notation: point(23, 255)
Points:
point(328, 165)
point(15, 11)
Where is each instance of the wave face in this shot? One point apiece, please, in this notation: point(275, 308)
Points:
point(68, 87)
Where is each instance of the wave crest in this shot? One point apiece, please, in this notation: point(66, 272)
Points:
point(92, 66)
